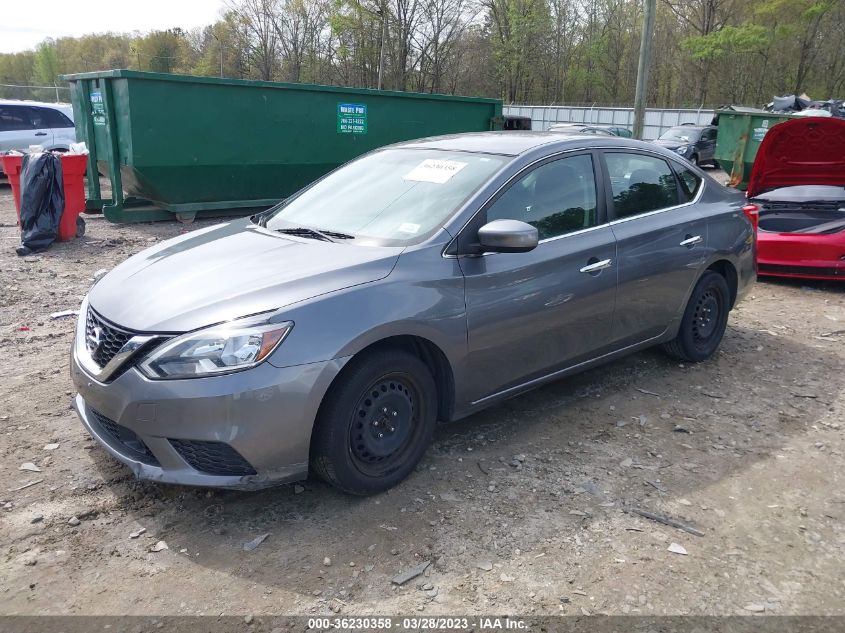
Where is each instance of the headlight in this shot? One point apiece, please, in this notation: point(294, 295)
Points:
point(682, 149)
point(216, 350)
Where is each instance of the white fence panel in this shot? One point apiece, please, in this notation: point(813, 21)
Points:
point(656, 121)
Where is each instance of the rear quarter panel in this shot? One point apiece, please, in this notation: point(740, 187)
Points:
point(731, 236)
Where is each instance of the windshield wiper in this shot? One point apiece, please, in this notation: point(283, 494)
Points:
point(337, 234)
point(304, 231)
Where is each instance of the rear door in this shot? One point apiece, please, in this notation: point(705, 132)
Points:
point(661, 240)
point(41, 131)
point(61, 127)
point(530, 314)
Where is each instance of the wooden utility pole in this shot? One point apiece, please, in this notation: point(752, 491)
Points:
point(383, 13)
point(643, 66)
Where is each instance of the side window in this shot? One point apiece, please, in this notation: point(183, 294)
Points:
point(690, 183)
point(14, 118)
point(640, 183)
point(36, 117)
point(54, 118)
point(558, 198)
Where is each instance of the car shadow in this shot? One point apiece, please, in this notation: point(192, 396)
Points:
point(806, 285)
point(637, 431)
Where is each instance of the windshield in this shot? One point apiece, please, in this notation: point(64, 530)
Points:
point(683, 134)
point(393, 197)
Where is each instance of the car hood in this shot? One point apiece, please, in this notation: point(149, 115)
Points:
point(799, 152)
point(229, 271)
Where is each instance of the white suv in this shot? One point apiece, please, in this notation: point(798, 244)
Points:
point(25, 123)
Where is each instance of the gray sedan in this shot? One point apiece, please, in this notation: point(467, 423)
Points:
point(419, 283)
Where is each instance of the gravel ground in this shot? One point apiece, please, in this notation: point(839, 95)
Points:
point(522, 509)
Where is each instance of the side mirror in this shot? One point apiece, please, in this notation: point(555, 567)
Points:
point(508, 236)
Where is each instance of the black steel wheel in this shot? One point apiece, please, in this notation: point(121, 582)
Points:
point(704, 321)
point(375, 423)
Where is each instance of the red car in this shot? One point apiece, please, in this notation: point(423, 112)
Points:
point(797, 188)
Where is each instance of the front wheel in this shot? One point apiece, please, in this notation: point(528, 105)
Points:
point(704, 321)
point(694, 160)
point(375, 422)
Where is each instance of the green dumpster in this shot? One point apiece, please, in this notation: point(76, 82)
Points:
point(177, 145)
point(740, 132)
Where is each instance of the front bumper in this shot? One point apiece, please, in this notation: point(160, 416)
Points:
point(264, 414)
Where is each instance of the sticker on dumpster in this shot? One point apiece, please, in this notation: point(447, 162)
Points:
point(351, 118)
point(436, 171)
point(759, 133)
point(98, 108)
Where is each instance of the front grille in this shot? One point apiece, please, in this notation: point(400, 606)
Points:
point(111, 338)
point(127, 441)
point(212, 458)
point(818, 271)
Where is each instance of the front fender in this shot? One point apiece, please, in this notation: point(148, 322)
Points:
point(423, 296)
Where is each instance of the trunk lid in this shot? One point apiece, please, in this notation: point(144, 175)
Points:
point(805, 151)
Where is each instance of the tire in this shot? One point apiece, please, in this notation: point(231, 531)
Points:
point(704, 321)
point(80, 226)
point(694, 160)
point(375, 423)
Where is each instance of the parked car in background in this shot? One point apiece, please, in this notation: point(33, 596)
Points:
point(423, 281)
point(696, 143)
point(797, 187)
point(616, 130)
point(25, 123)
point(592, 128)
point(579, 128)
point(513, 122)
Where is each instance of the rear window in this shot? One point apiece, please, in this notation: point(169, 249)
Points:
point(690, 183)
point(54, 118)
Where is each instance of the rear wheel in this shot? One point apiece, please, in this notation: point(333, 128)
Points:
point(375, 423)
point(704, 321)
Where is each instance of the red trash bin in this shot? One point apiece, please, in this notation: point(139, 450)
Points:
point(73, 173)
point(73, 177)
point(12, 166)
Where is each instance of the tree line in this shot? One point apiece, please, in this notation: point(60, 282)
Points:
point(706, 52)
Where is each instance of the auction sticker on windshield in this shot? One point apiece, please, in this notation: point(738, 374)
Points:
point(436, 171)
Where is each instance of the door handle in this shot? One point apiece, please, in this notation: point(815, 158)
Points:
point(691, 240)
point(597, 266)
point(41, 134)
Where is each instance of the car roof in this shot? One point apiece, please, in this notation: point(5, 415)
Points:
point(514, 143)
point(41, 104)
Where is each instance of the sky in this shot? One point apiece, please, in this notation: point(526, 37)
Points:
point(24, 24)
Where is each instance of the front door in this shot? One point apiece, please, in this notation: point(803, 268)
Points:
point(529, 314)
point(708, 145)
point(661, 237)
point(18, 128)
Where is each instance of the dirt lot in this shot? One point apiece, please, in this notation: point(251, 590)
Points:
point(521, 509)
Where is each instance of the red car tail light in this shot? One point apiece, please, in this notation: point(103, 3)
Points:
point(752, 212)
